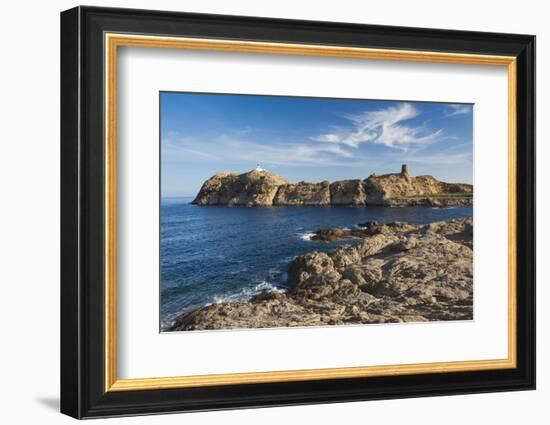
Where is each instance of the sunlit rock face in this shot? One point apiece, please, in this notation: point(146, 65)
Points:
point(348, 192)
point(255, 188)
point(302, 193)
point(262, 188)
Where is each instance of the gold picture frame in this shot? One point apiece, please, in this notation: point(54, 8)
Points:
point(114, 41)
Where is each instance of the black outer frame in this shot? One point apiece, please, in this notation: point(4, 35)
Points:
point(82, 219)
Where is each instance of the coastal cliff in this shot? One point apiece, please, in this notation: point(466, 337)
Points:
point(396, 272)
point(255, 188)
point(261, 188)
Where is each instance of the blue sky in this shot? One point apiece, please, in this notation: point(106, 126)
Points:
point(310, 139)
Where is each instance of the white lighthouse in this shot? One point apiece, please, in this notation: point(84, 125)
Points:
point(258, 168)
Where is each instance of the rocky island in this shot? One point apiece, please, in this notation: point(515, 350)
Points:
point(261, 188)
point(395, 272)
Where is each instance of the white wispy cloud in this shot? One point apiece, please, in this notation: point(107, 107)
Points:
point(441, 159)
point(390, 127)
point(384, 126)
point(233, 147)
point(459, 110)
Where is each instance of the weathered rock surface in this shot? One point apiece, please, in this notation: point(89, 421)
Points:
point(255, 188)
point(261, 188)
point(397, 272)
point(401, 189)
point(331, 234)
point(303, 193)
point(348, 192)
point(436, 202)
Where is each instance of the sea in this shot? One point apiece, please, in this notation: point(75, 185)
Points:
point(211, 254)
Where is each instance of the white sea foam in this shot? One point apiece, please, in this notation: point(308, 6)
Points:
point(244, 294)
point(248, 293)
point(306, 236)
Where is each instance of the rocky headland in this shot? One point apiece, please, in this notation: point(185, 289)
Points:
point(261, 188)
point(396, 272)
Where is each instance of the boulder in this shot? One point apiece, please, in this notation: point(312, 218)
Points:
point(329, 234)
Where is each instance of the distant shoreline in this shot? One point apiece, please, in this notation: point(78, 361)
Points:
point(427, 202)
point(259, 188)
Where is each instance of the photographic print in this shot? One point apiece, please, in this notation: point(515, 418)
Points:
point(281, 211)
point(227, 179)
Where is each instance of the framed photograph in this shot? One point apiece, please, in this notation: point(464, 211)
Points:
point(261, 212)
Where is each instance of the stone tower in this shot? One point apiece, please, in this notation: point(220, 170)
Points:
point(405, 171)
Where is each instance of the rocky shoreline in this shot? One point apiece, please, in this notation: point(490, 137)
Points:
point(259, 188)
point(395, 272)
point(434, 202)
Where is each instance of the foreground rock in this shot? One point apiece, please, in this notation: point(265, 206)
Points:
point(261, 188)
point(456, 230)
point(397, 272)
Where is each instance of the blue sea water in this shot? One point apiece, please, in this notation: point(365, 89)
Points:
point(210, 254)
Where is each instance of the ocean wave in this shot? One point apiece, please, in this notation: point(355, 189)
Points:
point(244, 294)
point(306, 236)
point(248, 293)
point(166, 324)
